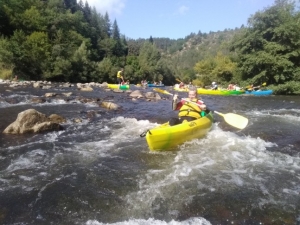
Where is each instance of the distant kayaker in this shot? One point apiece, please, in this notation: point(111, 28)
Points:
point(189, 109)
point(230, 87)
point(252, 88)
point(181, 85)
point(120, 77)
point(214, 86)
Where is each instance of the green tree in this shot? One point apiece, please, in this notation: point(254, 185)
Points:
point(149, 56)
point(268, 51)
point(104, 71)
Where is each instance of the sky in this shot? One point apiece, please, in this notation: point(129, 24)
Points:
point(176, 19)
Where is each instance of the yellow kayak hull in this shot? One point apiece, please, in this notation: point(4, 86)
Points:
point(218, 92)
point(116, 86)
point(165, 137)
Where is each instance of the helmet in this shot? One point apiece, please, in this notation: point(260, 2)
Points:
point(213, 83)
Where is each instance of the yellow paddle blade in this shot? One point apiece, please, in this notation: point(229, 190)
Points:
point(162, 91)
point(264, 84)
point(234, 120)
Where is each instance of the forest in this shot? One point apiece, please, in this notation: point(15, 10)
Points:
point(69, 41)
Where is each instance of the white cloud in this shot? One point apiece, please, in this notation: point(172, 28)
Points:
point(112, 7)
point(183, 9)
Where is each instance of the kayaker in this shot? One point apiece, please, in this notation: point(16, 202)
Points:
point(230, 87)
point(120, 77)
point(214, 86)
point(252, 88)
point(187, 109)
point(181, 85)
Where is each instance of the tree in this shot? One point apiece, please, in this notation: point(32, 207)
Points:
point(268, 51)
point(151, 40)
point(107, 26)
point(149, 56)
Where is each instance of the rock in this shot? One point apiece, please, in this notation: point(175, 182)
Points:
point(38, 100)
point(86, 89)
point(46, 126)
point(46, 87)
point(50, 94)
point(150, 95)
point(31, 121)
point(68, 94)
point(77, 120)
point(157, 96)
point(66, 85)
point(36, 85)
point(136, 94)
point(117, 91)
point(56, 118)
point(110, 105)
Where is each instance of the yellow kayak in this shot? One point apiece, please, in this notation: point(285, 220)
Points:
point(165, 137)
point(116, 86)
point(218, 92)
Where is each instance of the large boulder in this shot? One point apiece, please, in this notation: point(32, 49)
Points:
point(32, 121)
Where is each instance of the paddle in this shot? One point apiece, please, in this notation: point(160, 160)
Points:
point(232, 119)
point(249, 86)
point(179, 80)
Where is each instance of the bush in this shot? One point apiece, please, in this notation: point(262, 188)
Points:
point(5, 74)
point(289, 88)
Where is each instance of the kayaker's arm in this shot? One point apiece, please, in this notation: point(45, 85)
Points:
point(176, 104)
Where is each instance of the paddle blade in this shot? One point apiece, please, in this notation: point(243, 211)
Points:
point(264, 84)
point(178, 80)
point(234, 120)
point(162, 91)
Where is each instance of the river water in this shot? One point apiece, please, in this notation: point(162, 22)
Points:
point(100, 171)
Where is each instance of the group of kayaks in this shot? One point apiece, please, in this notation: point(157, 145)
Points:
point(223, 92)
point(202, 91)
point(127, 86)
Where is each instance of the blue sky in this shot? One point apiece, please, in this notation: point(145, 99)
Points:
point(177, 18)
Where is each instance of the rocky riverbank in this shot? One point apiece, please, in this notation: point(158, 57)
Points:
point(45, 92)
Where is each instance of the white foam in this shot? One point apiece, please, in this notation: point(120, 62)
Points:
point(151, 221)
point(30, 160)
point(112, 135)
point(130, 127)
point(222, 160)
point(292, 115)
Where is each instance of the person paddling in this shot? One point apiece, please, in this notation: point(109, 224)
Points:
point(187, 109)
point(120, 77)
point(214, 86)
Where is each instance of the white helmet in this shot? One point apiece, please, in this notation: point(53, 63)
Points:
point(213, 83)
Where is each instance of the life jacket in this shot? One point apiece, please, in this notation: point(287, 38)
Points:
point(190, 109)
point(119, 75)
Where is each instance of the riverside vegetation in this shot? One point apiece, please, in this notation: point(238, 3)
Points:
point(69, 41)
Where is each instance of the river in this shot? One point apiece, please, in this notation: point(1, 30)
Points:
point(100, 171)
